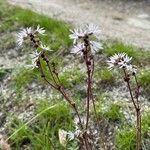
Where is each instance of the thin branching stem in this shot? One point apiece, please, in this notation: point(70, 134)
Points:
point(71, 102)
point(50, 70)
point(43, 75)
point(137, 109)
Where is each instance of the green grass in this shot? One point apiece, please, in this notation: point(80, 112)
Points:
point(144, 80)
point(7, 42)
point(70, 78)
point(125, 136)
point(105, 76)
point(14, 18)
point(114, 113)
point(3, 73)
point(140, 57)
point(125, 139)
point(146, 124)
point(21, 78)
point(42, 133)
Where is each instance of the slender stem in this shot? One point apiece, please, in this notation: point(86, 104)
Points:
point(137, 109)
point(61, 90)
point(72, 104)
point(129, 87)
point(85, 137)
point(43, 75)
point(89, 61)
point(58, 87)
point(50, 70)
point(138, 138)
point(92, 97)
point(139, 128)
point(88, 89)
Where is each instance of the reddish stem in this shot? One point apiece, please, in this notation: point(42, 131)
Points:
point(137, 109)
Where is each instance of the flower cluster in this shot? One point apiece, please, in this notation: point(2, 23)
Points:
point(29, 33)
point(32, 35)
point(79, 35)
point(35, 57)
point(121, 60)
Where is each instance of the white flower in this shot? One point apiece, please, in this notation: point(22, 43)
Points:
point(77, 49)
point(40, 30)
point(83, 36)
point(92, 29)
point(23, 35)
point(76, 34)
point(45, 48)
point(35, 57)
point(131, 68)
point(20, 39)
point(70, 136)
point(119, 60)
point(28, 30)
point(95, 46)
point(80, 33)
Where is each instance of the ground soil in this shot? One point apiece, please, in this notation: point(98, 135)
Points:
point(126, 20)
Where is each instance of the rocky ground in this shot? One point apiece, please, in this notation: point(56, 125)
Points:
point(125, 20)
point(129, 22)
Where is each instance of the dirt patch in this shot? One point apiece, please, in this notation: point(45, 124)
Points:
point(128, 21)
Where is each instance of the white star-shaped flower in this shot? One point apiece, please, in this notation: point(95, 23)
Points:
point(95, 46)
point(40, 30)
point(23, 35)
point(131, 68)
point(35, 57)
point(76, 34)
point(119, 60)
point(92, 29)
point(77, 49)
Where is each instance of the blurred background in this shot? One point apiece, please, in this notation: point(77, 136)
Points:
point(125, 26)
point(127, 20)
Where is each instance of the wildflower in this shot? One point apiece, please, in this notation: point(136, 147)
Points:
point(83, 36)
point(80, 33)
point(35, 57)
point(131, 69)
point(26, 33)
point(95, 46)
point(77, 49)
point(23, 35)
point(76, 34)
point(92, 29)
point(40, 30)
point(120, 60)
